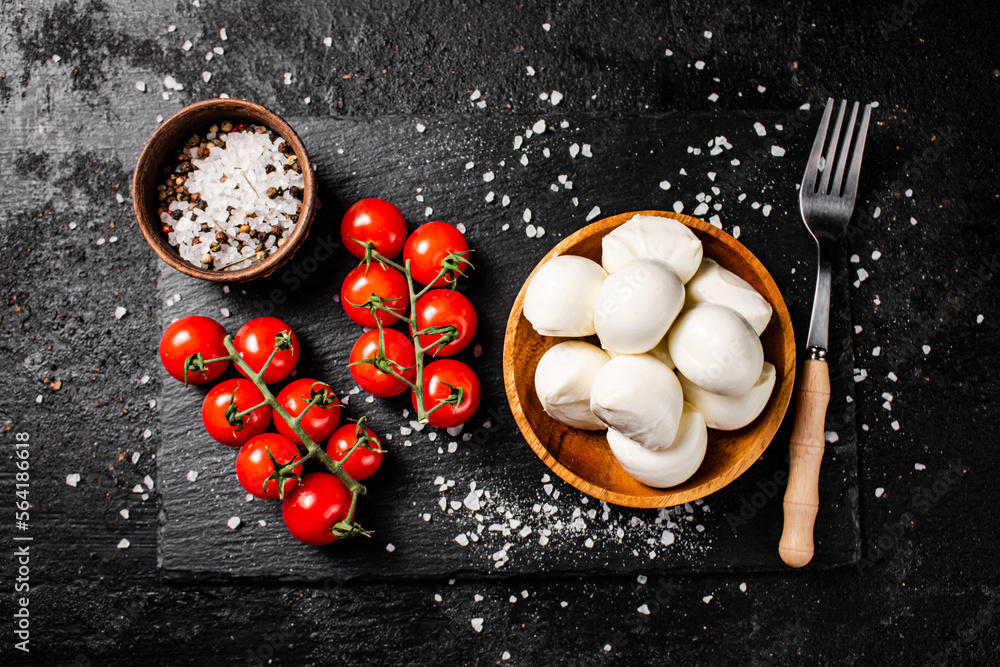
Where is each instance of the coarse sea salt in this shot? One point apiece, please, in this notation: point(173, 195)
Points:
point(232, 181)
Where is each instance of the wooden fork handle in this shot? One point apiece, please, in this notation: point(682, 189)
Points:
point(812, 395)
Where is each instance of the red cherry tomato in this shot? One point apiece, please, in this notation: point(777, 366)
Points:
point(320, 421)
point(373, 221)
point(253, 465)
point(243, 395)
point(398, 349)
point(443, 307)
point(437, 376)
point(374, 279)
point(189, 336)
point(428, 247)
point(314, 506)
point(363, 462)
point(256, 340)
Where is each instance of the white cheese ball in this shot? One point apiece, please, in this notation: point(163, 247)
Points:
point(560, 297)
point(714, 284)
point(663, 468)
point(639, 397)
point(653, 237)
point(659, 352)
point(715, 348)
point(728, 413)
point(636, 305)
point(563, 380)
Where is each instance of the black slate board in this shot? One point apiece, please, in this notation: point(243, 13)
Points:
point(735, 529)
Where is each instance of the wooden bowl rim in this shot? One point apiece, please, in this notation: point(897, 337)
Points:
point(144, 208)
point(667, 497)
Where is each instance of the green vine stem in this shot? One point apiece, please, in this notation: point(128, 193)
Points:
point(345, 528)
point(451, 268)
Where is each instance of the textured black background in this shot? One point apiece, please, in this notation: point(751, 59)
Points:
point(927, 587)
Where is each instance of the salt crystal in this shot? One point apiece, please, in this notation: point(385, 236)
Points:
point(913, 221)
point(462, 539)
point(234, 523)
point(895, 425)
point(124, 544)
point(187, 45)
point(530, 231)
point(546, 27)
point(667, 538)
point(743, 587)
point(585, 151)
point(120, 312)
point(428, 212)
point(421, 127)
point(574, 150)
point(556, 97)
point(759, 129)
point(664, 185)
point(192, 475)
point(488, 177)
point(148, 481)
point(147, 433)
point(678, 206)
point(699, 64)
point(530, 70)
point(594, 212)
point(524, 160)
point(831, 436)
point(73, 479)
point(777, 151)
point(135, 457)
point(477, 624)
point(979, 319)
point(701, 209)
point(222, 34)
point(926, 349)
point(892, 376)
point(879, 491)
point(876, 255)
point(766, 210)
point(390, 547)
point(714, 97)
point(736, 232)
point(527, 215)
point(707, 599)
point(644, 609)
point(124, 513)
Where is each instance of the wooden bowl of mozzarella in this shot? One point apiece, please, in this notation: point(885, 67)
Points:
point(580, 453)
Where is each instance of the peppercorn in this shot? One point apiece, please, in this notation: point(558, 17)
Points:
point(272, 192)
point(204, 227)
point(269, 169)
point(176, 214)
point(226, 125)
point(161, 195)
point(213, 128)
point(184, 168)
point(244, 229)
point(261, 255)
point(220, 236)
point(276, 230)
point(285, 148)
point(193, 140)
point(281, 242)
point(167, 229)
point(206, 259)
point(295, 191)
point(293, 159)
point(214, 246)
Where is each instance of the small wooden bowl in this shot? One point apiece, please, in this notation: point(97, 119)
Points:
point(165, 140)
point(583, 458)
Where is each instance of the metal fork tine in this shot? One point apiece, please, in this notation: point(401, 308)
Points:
point(831, 151)
point(812, 166)
point(851, 187)
point(844, 151)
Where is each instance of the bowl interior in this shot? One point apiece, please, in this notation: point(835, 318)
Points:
point(583, 458)
point(165, 140)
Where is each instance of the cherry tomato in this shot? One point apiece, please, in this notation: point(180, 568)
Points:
point(194, 335)
point(314, 506)
point(363, 462)
point(374, 279)
point(398, 349)
point(256, 340)
point(320, 421)
point(443, 307)
point(243, 395)
point(437, 376)
point(373, 221)
point(428, 247)
point(253, 465)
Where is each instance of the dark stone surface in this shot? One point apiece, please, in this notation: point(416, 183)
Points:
point(355, 158)
point(926, 589)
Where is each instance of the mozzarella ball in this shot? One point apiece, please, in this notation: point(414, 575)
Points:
point(659, 352)
point(656, 238)
point(715, 348)
point(662, 468)
point(728, 413)
point(563, 380)
point(639, 397)
point(636, 305)
point(714, 284)
point(560, 297)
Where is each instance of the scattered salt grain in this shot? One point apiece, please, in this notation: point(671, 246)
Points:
point(538, 127)
point(594, 212)
point(421, 127)
point(714, 97)
point(743, 587)
point(428, 212)
point(524, 160)
point(390, 547)
point(148, 481)
point(926, 349)
point(644, 610)
point(147, 433)
point(546, 27)
point(477, 623)
point(192, 475)
point(124, 544)
point(736, 232)
point(664, 185)
point(530, 70)
point(527, 215)
point(777, 151)
point(234, 523)
point(585, 151)
point(892, 376)
point(222, 34)
point(187, 45)
point(876, 255)
point(462, 539)
point(766, 210)
point(39, 398)
point(699, 65)
point(556, 97)
point(707, 599)
point(574, 150)
point(895, 425)
point(120, 312)
point(73, 479)
point(678, 206)
point(759, 129)
point(879, 491)
point(530, 231)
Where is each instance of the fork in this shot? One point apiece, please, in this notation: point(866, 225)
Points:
point(826, 210)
